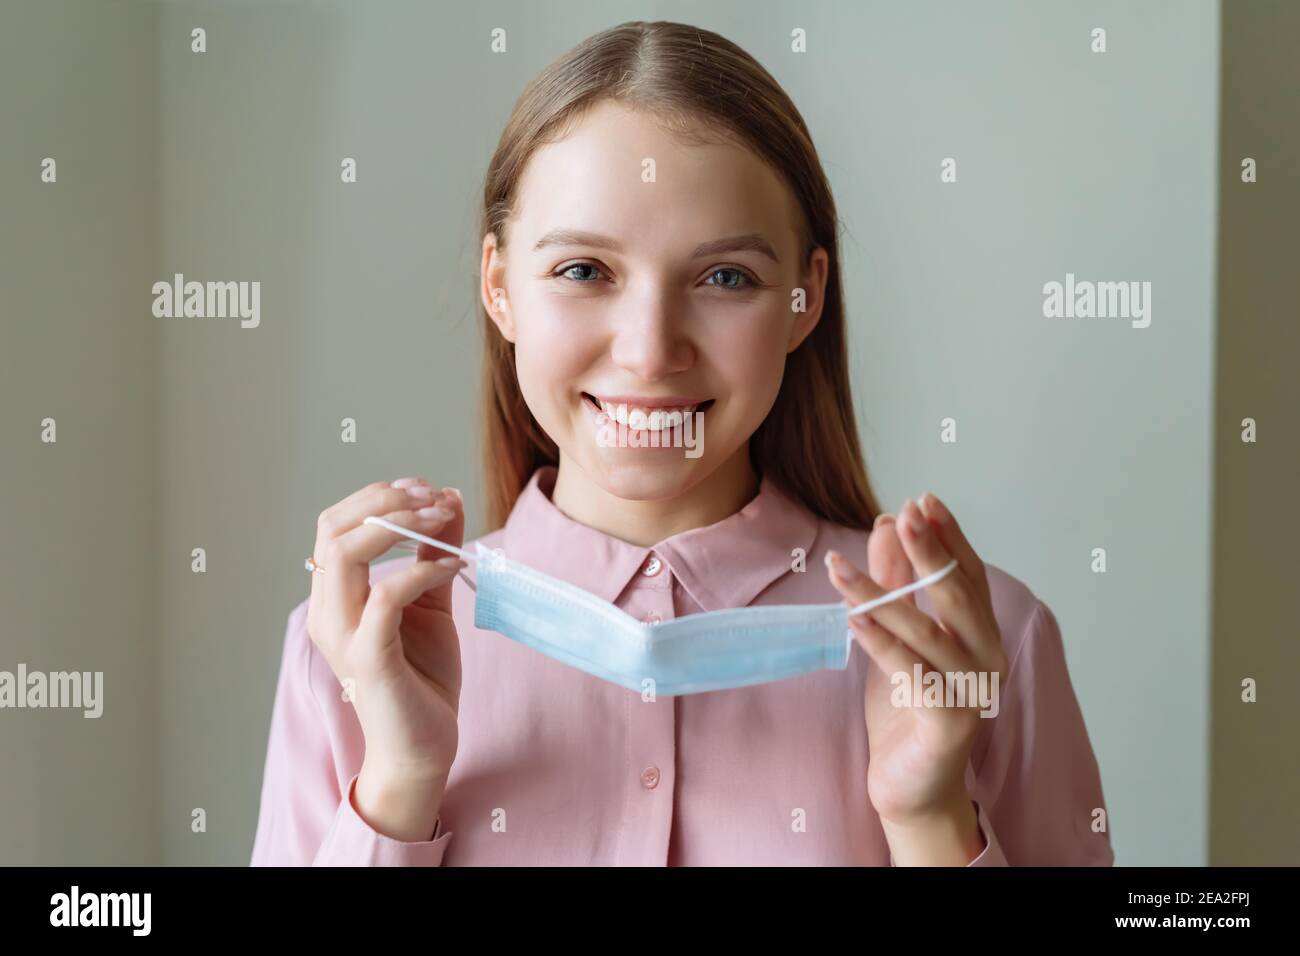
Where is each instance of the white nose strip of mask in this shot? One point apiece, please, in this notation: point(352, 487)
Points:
point(863, 608)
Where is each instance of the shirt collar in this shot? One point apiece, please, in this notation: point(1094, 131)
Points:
point(723, 565)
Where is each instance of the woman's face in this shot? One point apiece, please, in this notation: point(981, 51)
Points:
point(645, 272)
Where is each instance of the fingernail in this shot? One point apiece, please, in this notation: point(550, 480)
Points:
point(407, 482)
point(882, 518)
point(437, 511)
point(420, 491)
point(456, 492)
point(449, 498)
point(839, 564)
point(912, 515)
point(941, 513)
point(455, 563)
point(923, 507)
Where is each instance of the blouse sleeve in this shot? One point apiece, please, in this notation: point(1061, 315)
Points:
point(1036, 786)
point(307, 816)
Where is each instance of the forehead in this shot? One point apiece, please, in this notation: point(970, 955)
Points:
point(595, 179)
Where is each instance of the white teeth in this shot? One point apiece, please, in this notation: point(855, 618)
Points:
point(644, 419)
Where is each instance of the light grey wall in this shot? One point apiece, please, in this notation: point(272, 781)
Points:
point(366, 294)
point(1072, 434)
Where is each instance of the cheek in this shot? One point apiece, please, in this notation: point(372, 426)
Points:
point(552, 351)
point(750, 358)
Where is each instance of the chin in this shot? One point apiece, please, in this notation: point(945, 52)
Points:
point(635, 476)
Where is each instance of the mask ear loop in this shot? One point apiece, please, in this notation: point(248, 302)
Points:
point(432, 542)
point(899, 592)
point(893, 595)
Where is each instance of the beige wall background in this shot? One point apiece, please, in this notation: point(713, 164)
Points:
point(1255, 756)
point(180, 434)
point(79, 517)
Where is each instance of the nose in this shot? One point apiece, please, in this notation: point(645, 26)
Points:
point(650, 341)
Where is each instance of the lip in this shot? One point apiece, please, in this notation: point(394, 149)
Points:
point(637, 401)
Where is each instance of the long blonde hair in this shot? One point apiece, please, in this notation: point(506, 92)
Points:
point(691, 80)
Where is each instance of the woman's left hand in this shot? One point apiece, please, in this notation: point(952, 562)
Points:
point(916, 775)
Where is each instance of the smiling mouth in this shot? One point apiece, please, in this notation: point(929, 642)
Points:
point(646, 417)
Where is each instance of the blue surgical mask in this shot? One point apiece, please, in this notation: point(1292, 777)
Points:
point(711, 650)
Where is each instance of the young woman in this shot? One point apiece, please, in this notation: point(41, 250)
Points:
point(660, 246)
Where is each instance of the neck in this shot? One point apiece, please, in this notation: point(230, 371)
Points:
point(645, 523)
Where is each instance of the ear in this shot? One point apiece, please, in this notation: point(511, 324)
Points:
point(492, 287)
point(814, 288)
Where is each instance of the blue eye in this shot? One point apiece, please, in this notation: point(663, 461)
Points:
point(748, 282)
point(577, 265)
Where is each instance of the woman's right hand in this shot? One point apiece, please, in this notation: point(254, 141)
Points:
point(393, 646)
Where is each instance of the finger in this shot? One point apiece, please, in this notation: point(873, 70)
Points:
point(389, 597)
point(380, 497)
point(453, 532)
point(366, 541)
point(377, 498)
point(887, 563)
point(438, 599)
point(909, 624)
point(954, 540)
point(889, 653)
point(890, 657)
point(957, 600)
point(889, 567)
point(347, 557)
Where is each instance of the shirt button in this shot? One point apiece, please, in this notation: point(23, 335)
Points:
point(652, 618)
point(650, 777)
point(652, 566)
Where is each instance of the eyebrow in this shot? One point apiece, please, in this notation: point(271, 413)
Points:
point(748, 242)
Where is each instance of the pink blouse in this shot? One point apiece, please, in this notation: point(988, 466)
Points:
point(556, 767)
